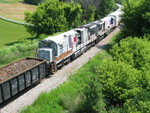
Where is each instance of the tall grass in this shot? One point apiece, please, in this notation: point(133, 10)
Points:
point(18, 51)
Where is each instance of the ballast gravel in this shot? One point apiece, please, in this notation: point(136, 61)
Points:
point(59, 77)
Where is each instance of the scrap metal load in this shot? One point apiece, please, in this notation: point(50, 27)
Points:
point(19, 75)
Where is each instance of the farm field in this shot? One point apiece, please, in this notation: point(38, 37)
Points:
point(14, 9)
point(11, 33)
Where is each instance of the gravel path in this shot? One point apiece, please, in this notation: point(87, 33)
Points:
point(58, 78)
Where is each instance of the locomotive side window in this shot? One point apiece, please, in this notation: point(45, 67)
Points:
point(100, 27)
point(60, 48)
point(79, 38)
point(92, 31)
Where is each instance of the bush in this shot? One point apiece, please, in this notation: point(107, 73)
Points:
point(34, 2)
point(18, 51)
point(94, 96)
point(133, 51)
point(139, 104)
point(119, 80)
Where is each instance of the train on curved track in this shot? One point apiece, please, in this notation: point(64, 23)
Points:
point(53, 53)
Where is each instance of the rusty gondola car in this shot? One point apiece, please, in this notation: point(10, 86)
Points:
point(19, 75)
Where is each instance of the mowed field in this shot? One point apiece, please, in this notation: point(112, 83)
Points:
point(11, 33)
point(15, 9)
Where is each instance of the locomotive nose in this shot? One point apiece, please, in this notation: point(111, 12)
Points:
point(45, 53)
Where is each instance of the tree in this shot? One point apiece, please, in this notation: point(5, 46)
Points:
point(73, 14)
point(136, 18)
point(133, 51)
point(53, 16)
point(120, 81)
point(34, 2)
point(105, 7)
point(96, 8)
point(94, 96)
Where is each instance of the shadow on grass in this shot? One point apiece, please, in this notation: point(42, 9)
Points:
point(29, 38)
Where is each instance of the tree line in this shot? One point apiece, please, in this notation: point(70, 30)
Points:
point(56, 16)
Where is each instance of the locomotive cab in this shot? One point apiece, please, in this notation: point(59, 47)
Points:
point(47, 50)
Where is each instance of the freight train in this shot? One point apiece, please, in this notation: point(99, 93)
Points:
point(63, 48)
point(52, 54)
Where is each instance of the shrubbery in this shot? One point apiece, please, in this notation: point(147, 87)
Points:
point(133, 51)
point(18, 51)
point(34, 2)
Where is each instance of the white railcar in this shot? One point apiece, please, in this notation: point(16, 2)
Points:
point(117, 16)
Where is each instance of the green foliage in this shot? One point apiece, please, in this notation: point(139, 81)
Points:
point(121, 1)
point(34, 2)
point(120, 81)
point(89, 14)
point(105, 7)
point(10, 33)
point(133, 51)
point(17, 51)
point(139, 104)
point(94, 96)
point(136, 18)
point(53, 16)
point(73, 14)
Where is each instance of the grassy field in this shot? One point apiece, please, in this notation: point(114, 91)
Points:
point(11, 33)
point(9, 1)
point(14, 9)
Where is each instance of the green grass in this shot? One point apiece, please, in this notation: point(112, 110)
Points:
point(9, 1)
point(11, 33)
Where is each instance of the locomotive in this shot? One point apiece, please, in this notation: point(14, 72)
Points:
point(65, 47)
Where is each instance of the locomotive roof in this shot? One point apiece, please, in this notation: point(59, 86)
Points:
point(105, 18)
point(115, 13)
point(88, 26)
point(79, 28)
point(60, 37)
point(97, 22)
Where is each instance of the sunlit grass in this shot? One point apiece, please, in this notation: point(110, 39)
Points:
point(11, 33)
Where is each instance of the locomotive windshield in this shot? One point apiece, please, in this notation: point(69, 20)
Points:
point(45, 44)
point(49, 44)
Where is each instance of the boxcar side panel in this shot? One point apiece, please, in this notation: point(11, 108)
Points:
point(6, 90)
point(28, 78)
point(14, 86)
point(21, 82)
point(1, 98)
point(35, 75)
